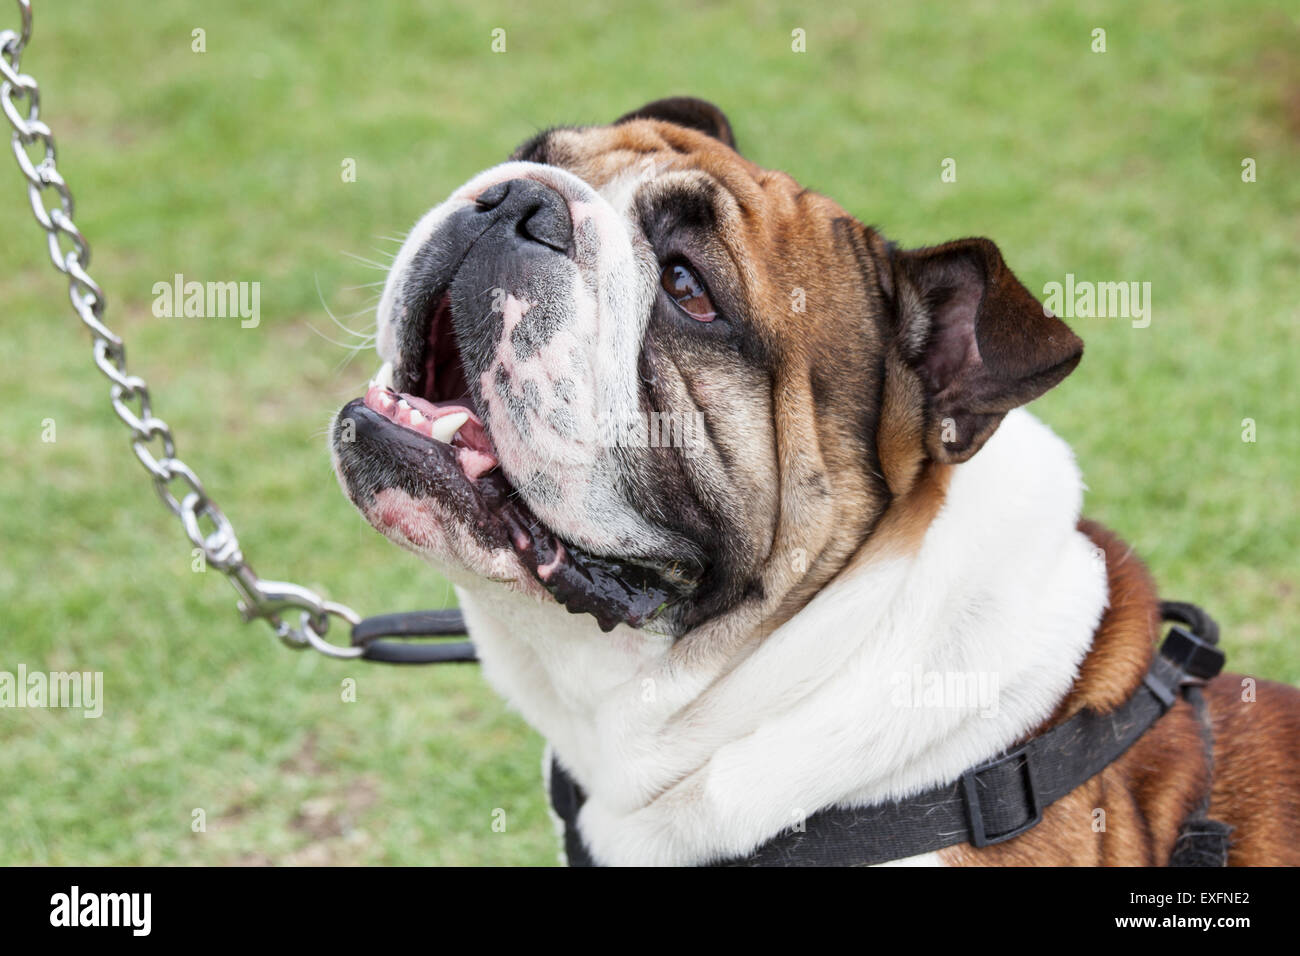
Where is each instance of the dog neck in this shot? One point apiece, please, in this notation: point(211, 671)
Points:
point(900, 674)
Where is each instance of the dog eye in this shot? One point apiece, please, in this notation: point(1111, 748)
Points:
point(687, 289)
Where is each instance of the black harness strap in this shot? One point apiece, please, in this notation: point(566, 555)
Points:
point(1201, 841)
point(987, 804)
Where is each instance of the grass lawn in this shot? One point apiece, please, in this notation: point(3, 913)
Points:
point(226, 165)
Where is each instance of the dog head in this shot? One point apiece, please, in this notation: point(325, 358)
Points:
point(633, 371)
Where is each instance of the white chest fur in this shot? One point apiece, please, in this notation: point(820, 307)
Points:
point(850, 702)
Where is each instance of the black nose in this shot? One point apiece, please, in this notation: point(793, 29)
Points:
point(538, 212)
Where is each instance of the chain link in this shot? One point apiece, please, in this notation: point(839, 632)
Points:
point(177, 485)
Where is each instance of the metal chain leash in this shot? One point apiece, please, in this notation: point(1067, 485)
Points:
point(151, 438)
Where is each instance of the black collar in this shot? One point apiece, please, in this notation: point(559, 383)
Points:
point(987, 804)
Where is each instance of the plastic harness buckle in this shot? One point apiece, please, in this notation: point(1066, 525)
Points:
point(1197, 658)
point(979, 835)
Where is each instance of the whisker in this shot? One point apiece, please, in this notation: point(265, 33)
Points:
point(366, 262)
point(348, 346)
point(364, 336)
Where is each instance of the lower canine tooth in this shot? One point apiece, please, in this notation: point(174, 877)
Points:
point(445, 428)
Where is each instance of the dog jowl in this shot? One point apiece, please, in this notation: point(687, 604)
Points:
point(861, 496)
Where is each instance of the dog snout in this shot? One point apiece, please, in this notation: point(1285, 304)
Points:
point(538, 213)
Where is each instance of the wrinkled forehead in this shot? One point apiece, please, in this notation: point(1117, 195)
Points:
point(787, 254)
point(702, 176)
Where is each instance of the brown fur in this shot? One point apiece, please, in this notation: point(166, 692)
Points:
point(1257, 769)
point(1148, 793)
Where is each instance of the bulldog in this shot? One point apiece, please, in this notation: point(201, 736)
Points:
point(726, 481)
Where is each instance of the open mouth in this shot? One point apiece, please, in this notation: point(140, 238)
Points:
point(434, 428)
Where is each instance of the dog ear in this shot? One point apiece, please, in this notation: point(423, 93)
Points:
point(689, 112)
point(980, 342)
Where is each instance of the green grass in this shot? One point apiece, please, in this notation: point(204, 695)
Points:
point(226, 165)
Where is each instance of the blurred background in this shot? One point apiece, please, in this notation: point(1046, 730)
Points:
point(227, 165)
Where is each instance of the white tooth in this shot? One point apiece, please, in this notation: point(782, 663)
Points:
point(445, 428)
point(384, 377)
point(415, 418)
point(402, 403)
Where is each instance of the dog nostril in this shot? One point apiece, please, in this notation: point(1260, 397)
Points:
point(493, 196)
point(536, 212)
point(547, 223)
point(536, 225)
